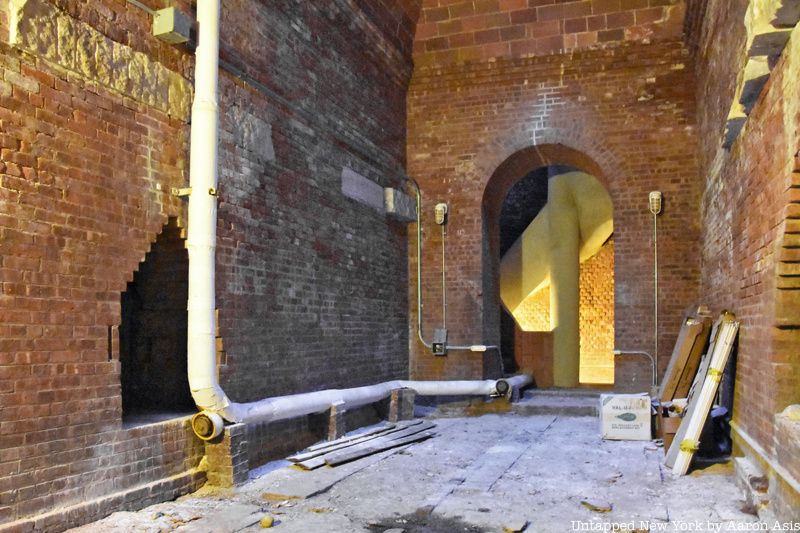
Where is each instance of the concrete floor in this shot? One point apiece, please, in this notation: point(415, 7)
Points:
point(478, 474)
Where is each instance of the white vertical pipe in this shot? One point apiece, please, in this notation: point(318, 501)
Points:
point(202, 235)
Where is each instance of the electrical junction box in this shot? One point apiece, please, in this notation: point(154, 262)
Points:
point(172, 25)
point(400, 205)
point(439, 344)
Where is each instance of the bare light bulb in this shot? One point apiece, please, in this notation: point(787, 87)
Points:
point(655, 202)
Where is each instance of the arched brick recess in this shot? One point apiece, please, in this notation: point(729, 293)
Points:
point(506, 174)
point(628, 110)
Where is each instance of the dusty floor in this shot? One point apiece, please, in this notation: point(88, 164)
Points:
point(478, 474)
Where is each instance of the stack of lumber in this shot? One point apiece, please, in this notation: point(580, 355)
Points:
point(685, 358)
point(351, 448)
point(699, 382)
point(683, 366)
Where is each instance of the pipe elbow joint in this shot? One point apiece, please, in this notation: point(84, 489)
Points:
point(207, 425)
point(502, 388)
point(210, 398)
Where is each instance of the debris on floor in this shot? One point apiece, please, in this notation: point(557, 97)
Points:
point(598, 507)
point(482, 474)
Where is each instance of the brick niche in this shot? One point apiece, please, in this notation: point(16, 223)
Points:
point(623, 112)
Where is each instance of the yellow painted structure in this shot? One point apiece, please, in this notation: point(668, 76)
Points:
point(571, 228)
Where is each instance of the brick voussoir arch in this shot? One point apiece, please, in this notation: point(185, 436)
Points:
point(503, 163)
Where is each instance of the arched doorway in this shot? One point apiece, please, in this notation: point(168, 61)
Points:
point(556, 315)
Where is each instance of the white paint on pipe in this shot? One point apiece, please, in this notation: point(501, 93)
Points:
point(517, 382)
point(451, 388)
point(202, 234)
point(295, 405)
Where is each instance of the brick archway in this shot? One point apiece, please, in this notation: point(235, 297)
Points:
point(524, 160)
point(505, 175)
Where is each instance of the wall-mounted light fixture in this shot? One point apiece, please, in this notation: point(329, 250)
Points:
point(655, 200)
point(440, 211)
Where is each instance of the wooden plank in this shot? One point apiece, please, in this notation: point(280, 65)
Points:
point(373, 446)
point(320, 460)
point(687, 440)
point(347, 455)
point(328, 444)
point(380, 429)
point(685, 358)
point(693, 362)
point(349, 441)
point(671, 454)
point(700, 401)
point(311, 464)
point(705, 362)
point(680, 355)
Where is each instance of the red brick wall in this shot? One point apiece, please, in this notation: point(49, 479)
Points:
point(396, 19)
point(79, 211)
point(749, 215)
point(533, 353)
point(458, 31)
point(306, 276)
point(623, 113)
point(311, 285)
point(718, 51)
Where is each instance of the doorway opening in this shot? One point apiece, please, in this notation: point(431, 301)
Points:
point(551, 228)
point(152, 333)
